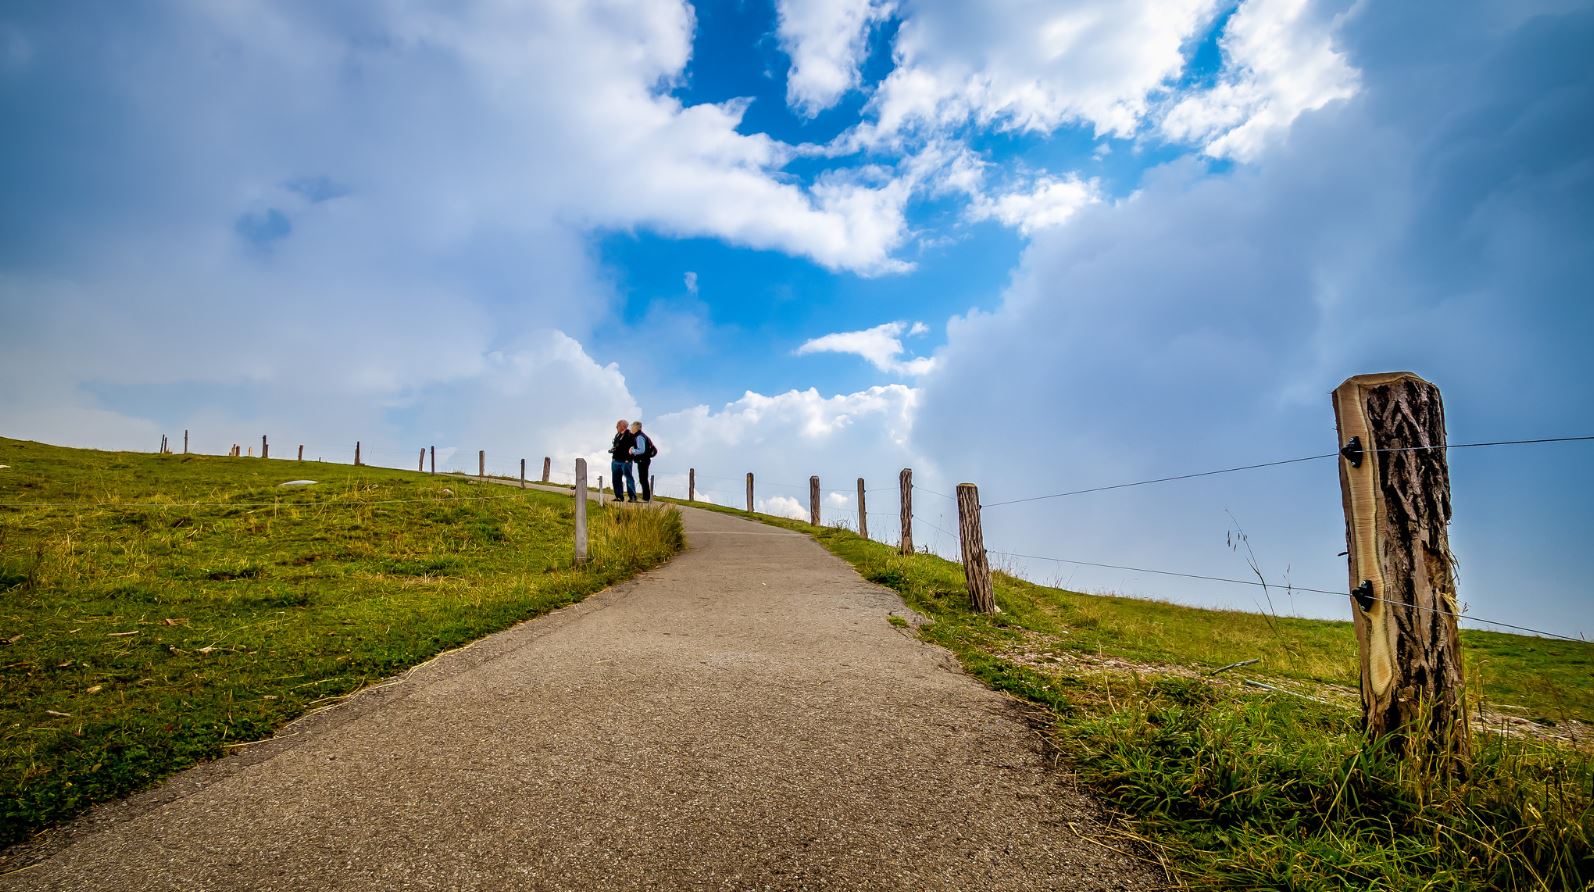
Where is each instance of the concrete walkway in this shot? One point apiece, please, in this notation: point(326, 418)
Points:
point(741, 718)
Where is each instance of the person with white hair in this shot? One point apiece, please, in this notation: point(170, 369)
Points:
point(642, 453)
point(620, 461)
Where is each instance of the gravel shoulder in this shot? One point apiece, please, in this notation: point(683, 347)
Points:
point(743, 717)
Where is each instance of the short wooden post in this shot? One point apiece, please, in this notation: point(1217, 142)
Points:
point(481, 463)
point(691, 484)
point(976, 569)
point(653, 482)
point(420, 465)
point(162, 449)
point(265, 447)
point(522, 473)
point(581, 510)
point(813, 500)
point(749, 492)
point(905, 484)
point(1395, 482)
point(433, 451)
point(547, 465)
point(356, 453)
point(600, 491)
point(301, 452)
point(185, 442)
point(863, 512)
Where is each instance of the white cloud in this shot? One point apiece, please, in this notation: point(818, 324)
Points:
point(690, 280)
point(1032, 65)
point(881, 346)
point(1280, 61)
point(1049, 201)
point(826, 40)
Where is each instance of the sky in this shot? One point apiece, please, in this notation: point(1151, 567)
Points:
point(1036, 246)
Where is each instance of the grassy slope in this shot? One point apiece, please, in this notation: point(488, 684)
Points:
point(154, 609)
point(1243, 789)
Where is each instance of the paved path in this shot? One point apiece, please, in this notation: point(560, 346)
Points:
point(743, 717)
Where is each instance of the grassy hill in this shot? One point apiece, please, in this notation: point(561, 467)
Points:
point(155, 609)
point(1235, 786)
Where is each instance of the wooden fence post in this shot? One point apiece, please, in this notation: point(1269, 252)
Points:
point(433, 454)
point(481, 463)
point(1395, 482)
point(185, 442)
point(265, 447)
point(420, 464)
point(813, 500)
point(301, 452)
point(547, 465)
point(653, 481)
point(749, 492)
point(905, 484)
point(691, 484)
point(976, 569)
point(522, 473)
point(600, 491)
point(863, 512)
point(162, 449)
point(581, 511)
point(356, 453)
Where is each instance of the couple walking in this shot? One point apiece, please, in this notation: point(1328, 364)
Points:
point(631, 447)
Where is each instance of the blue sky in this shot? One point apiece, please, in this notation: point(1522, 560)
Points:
point(1035, 245)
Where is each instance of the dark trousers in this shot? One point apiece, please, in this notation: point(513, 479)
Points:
point(646, 479)
point(621, 470)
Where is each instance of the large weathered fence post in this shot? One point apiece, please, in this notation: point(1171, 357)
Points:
point(522, 473)
point(813, 500)
point(356, 453)
point(691, 484)
point(905, 483)
point(976, 569)
point(547, 465)
point(863, 512)
point(265, 447)
point(749, 492)
point(1395, 481)
point(481, 463)
point(581, 511)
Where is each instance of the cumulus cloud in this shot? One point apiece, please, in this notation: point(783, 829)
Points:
point(1279, 61)
point(1032, 65)
point(826, 40)
point(881, 346)
point(1432, 222)
point(1049, 201)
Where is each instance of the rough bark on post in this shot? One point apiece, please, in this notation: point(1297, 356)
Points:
point(481, 463)
point(813, 500)
point(905, 484)
point(976, 569)
point(265, 447)
point(863, 512)
point(749, 492)
point(581, 511)
point(547, 465)
point(522, 473)
point(356, 453)
point(691, 484)
point(1395, 481)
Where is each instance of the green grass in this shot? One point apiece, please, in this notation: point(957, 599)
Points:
point(154, 609)
point(1236, 788)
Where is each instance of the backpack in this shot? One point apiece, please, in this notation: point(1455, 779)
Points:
point(653, 448)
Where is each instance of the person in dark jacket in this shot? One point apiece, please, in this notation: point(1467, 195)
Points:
point(620, 460)
point(642, 453)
